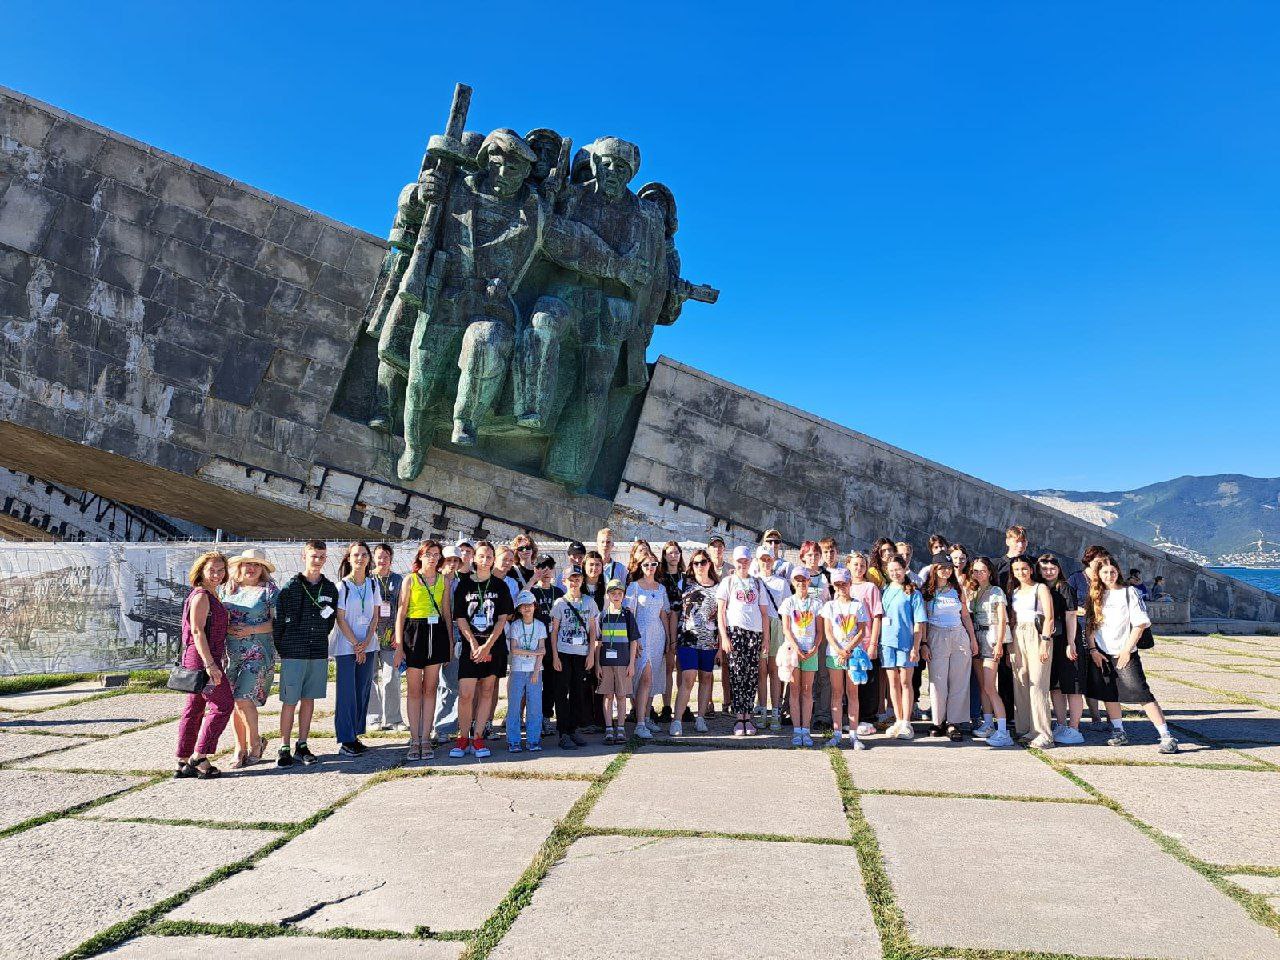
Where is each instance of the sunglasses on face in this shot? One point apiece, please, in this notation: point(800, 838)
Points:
point(524, 549)
point(650, 564)
point(701, 563)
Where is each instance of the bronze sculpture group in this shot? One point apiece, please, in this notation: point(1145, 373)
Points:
point(519, 294)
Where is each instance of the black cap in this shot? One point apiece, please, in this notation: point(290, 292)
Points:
point(577, 547)
point(545, 562)
point(573, 570)
point(943, 558)
point(717, 539)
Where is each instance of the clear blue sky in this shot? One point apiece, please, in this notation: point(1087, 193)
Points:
point(967, 229)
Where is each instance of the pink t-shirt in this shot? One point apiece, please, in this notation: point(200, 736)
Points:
point(868, 594)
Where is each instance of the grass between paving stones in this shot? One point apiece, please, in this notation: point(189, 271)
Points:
point(658, 834)
point(275, 825)
point(552, 852)
point(1255, 905)
point(1260, 766)
point(262, 931)
point(40, 681)
point(150, 781)
point(1239, 699)
point(948, 795)
point(1268, 663)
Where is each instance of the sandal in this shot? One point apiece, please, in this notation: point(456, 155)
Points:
point(415, 751)
point(184, 771)
point(241, 761)
point(204, 770)
point(255, 755)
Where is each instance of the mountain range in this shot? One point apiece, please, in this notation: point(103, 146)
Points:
point(1227, 519)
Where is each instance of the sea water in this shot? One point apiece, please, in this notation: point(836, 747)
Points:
point(1267, 578)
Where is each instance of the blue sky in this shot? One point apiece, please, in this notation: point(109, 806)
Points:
point(974, 230)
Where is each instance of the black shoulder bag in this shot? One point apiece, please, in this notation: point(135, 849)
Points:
point(188, 679)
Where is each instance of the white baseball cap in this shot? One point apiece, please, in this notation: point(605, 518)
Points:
point(741, 553)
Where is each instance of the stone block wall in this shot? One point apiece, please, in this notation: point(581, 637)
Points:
point(709, 455)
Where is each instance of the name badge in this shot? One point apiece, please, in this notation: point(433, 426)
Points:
point(433, 619)
point(384, 609)
point(480, 621)
point(326, 613)
point(611, 654)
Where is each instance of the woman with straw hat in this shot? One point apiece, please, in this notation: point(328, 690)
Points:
point(250, 598)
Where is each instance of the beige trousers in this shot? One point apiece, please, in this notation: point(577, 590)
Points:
point(950, 666)
point(1031, 683)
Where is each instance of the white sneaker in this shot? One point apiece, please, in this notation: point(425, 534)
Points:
point(906, 731)
point(1000, 738)
point(1068, 736)
point(642, 731)
point(676, 728)
point(1042, 742)
point(700, 725)
point(984, 729)
point(858, 744)
point(866, 729)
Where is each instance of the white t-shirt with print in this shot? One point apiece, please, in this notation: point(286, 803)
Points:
point(358, 605)
point(522, 644)
point(803, 617)
point(1122, 610)
point(742, 602)
point(843, 618)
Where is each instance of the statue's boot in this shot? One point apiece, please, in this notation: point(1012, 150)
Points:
point(486, 351)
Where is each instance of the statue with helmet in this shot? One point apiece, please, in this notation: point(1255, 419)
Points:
point(506, 257)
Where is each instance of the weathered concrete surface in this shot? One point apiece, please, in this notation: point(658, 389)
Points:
point(1242, 723)
point(20, 746)
point(695, 885)
point(1248, 682)
point(49, 697)
point(475, 836)
point(670, 788)
point(1142, 748)
point(29, 793)
point(1268, 887)
point(1221, 816)
point(1090, 903)
point(67, 880)
point(104, 716)
point(262, 793)
point(706, 451)
point(590, 760)
point(151, 749)
point(273, 948)
point(944, 767)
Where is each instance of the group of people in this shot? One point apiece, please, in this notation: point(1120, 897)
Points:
point(830, 643)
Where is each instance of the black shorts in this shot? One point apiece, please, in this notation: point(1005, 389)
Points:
point(1066, 675)
point(1112, 685)
point(468, 669)
point(425, 643)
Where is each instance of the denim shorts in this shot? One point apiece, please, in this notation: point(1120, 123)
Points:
point(892, 658)
point(303, 680)
point(691, 658)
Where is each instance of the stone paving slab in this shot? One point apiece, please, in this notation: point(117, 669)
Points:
point(818, 910)
point(1143, 748)
point(1227, 722)
point(49, 696)
point(67, 880)
point(150, 749)
point(107, 715)
point(274, 948)
point(1219, 815)
point(946, 767)
point(263, 793)
point(439, 852)
point(787, 792)
point(590, 760)
point(1231, 681)
point(1260, 752)
point(938, 851)
point(20, 746)
point(1171, 691)
point(32, 793)
point(1268, 887)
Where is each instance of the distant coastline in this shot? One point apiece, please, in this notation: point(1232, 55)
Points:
point(1265, 578)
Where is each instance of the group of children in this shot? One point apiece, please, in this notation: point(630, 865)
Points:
point(823, 642)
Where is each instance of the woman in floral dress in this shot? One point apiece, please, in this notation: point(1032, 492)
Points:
point(250, 599)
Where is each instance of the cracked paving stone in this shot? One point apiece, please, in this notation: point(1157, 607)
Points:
point(66, 881)
point(276, 948)
point(108, 715)
point(151, 749)
point(727, 791)
point(1219, 815)
point(697, 897)
point(33, 793)
point(437, 852)
point(1117, 894)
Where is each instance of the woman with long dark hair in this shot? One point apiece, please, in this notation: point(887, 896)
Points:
point(671, 576)
point(354, 645)
point(423, 642)
point(1115, 619)
point(1066, 676)
point(696, 641)
point(1032, 606)
point(991, 624)
point(949, 648)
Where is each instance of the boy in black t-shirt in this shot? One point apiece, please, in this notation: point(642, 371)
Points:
point(546, 593)
point(616, 654)
point(482, 606)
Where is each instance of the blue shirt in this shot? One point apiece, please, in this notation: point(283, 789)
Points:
point(902, 611)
